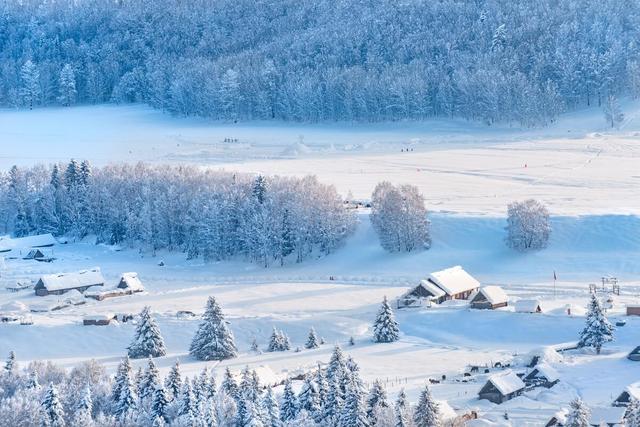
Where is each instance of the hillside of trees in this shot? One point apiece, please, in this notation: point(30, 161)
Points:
point(322, 60)
point(209, 214)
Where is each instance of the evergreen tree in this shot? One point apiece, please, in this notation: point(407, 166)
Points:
point(426, 413)
point(85, 173)
point(159, 403)
point(578, 415)
point(400, 410)
point(353, 413)
point(333, 403)
point(260, 189)
point(173, 382)
point(67, 86)
point(312, 340)
point(150, 380)
point(337, 365)
point(126, 404)
point(287, 237)
point(30, 90)
point(385, 327)
point(597, 330)
point(55, 180)
point(187, 401)
point(289, 403)
point(377, 399)
point(52, 411)
point(72, 174)
point(147, 341)
point(32, 382)
point(229, 384)
point(322, 386)
point(308, 398)
point(10, 366)
point(213, 340)
point(271, 410)
point(83, 413)
point(122, 373)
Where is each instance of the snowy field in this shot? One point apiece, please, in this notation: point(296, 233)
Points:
point(587, 175)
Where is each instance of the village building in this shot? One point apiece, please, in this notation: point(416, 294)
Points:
point(28, 242)
point(633, 309)
point(542, 375)
point(528, 306)
point(627, 396)
point(635, 354)
point(451, 283)
point(56, 284)
point(131, 282)
point(489, 297)
point(98, 319)
point(128, 284)
point(502, 387)
point(35, 254)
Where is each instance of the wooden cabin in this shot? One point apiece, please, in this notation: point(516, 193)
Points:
point(455, 282)
point(528, 306)
point(489, 298)
point(633, 309)
point(57, 284)
point(624, 399)
point(35, 254)
point(542, 375)
point(98, 319)
point(130, 282)
point(502, 387)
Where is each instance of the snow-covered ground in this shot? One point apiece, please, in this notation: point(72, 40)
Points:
point(468, 172)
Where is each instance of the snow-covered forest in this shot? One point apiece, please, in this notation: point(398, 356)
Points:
point(216, 215)
point(522, 62)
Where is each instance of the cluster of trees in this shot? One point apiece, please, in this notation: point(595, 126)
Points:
point(215, 215)
point(321, 60)
point(580, 414)
point(335, 396)
point(528, 226)
point(399, 217)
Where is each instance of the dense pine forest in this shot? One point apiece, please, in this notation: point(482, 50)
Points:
point(322, 60)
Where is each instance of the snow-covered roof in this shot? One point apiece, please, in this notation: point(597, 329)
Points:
point(98, 317)
point(74, 280)
point(608, 415)
point(454, 280)
point(433, 289)
point(546, 371)
point(39, 241)
point(527, 305)
point(494, 294)
point(131, 281)
point(506, 382)
point(634, 391)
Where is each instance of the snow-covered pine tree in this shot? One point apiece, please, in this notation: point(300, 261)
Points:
point(52, 410)
point(322, 386)
point(253, 417)
point(84, 409)
point(124, 370)
point(30, 89)
point(312, 341)
point(173, 382)
point(579, 414)
point(612, 112)
point(377, 399)
point(597, 330)
point(426, 413)
point(32, 381)
point(159, 403)
point(353, 413)
point(10, 366)
point(308, 397)
point(229, 385)
point(85, 173)
point(147, 341)
point(337, 365)
point(385, 327)
point(213, 340)
point(271, 409)
point(127, 400)
point(401, 410)
point(276, 341)
point(187, 401)
point(150, 380)
point(289, 403)
point(67, 86)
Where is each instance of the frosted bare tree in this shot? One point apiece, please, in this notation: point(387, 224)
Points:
point(399, 217)
point(528, 226)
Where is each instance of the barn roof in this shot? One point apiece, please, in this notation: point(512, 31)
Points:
point(494, 294)
point(131, 281)
point(454, 280)
point(527, 305)
point(544, 370)
point(506, 382)
point(433, 289)
point(98, 317)
point(54, 282)
point(608, 415)
point(633, 390)
point(39, 241)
